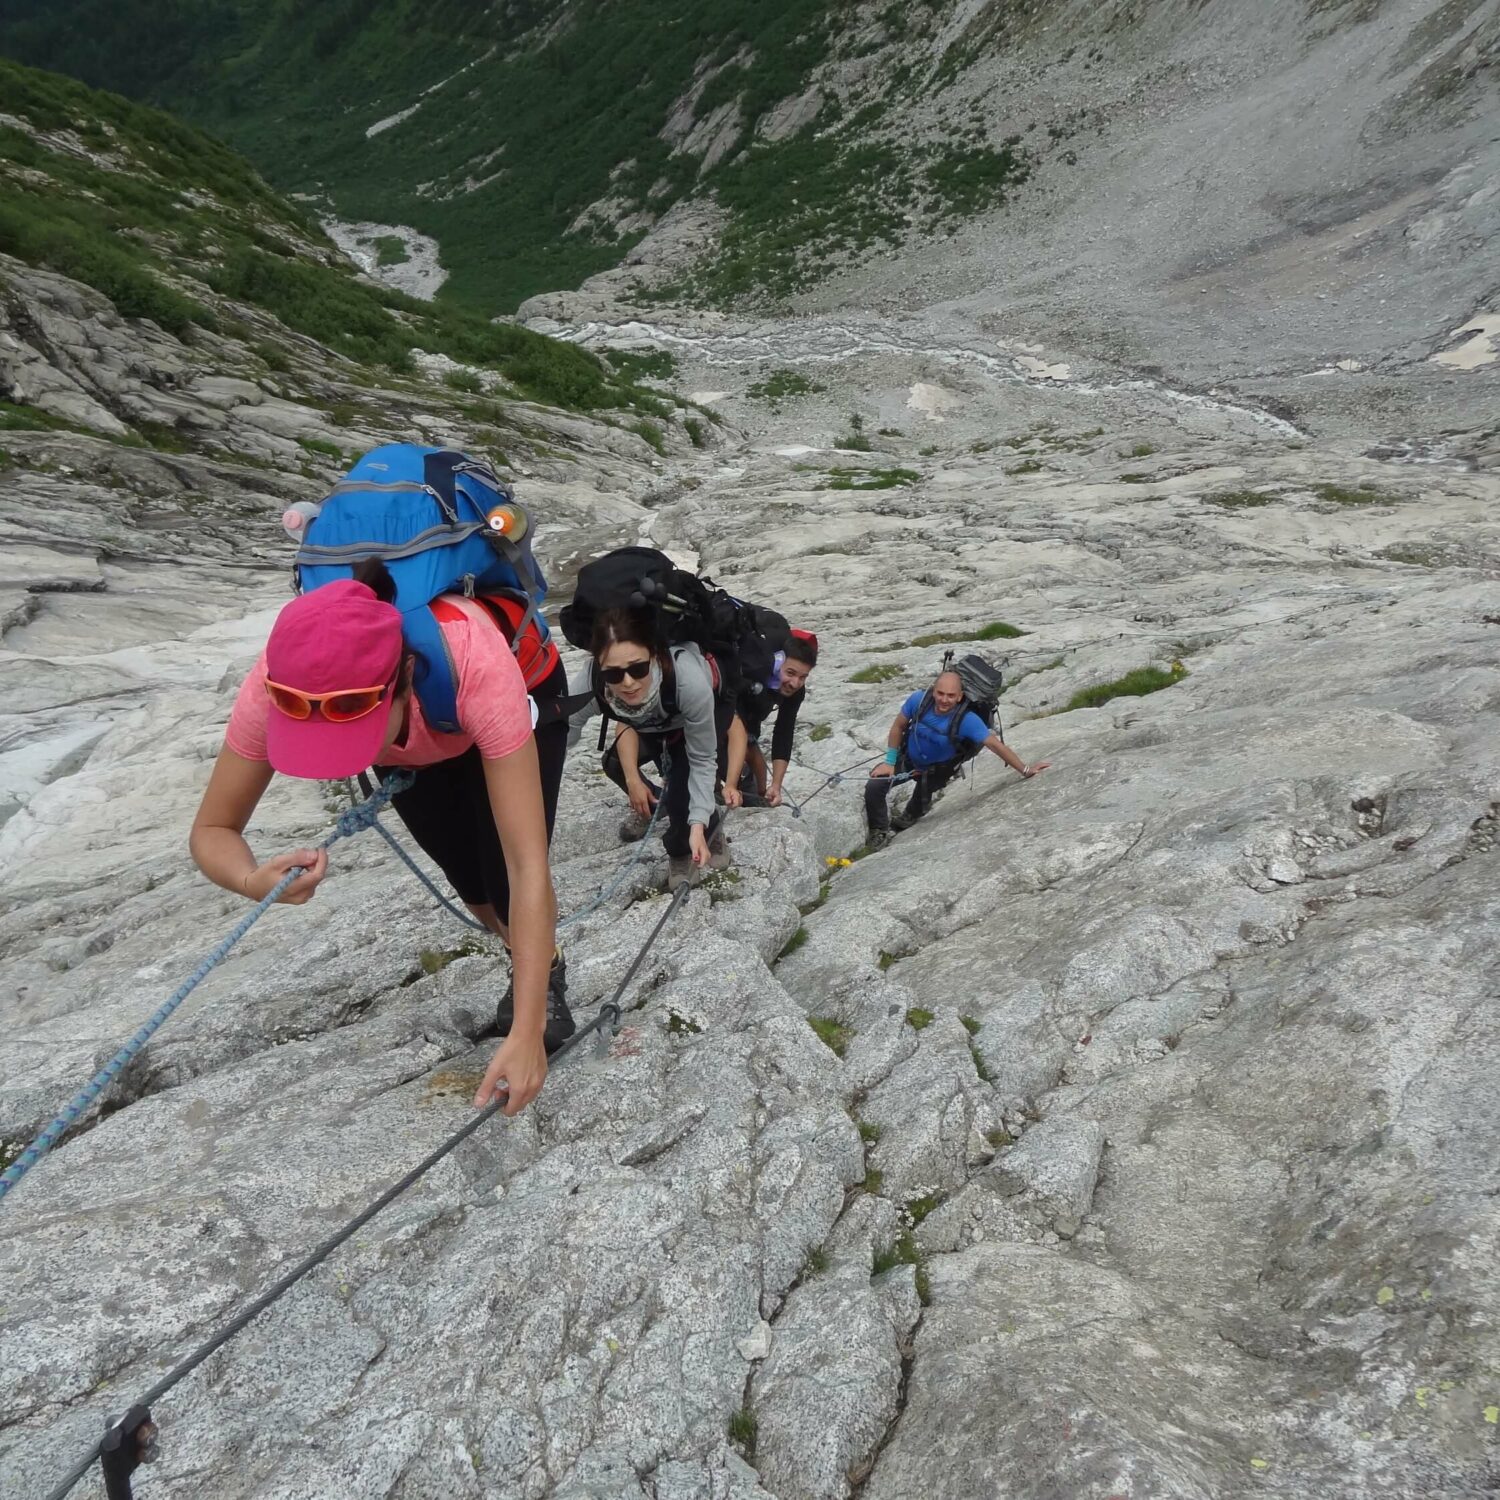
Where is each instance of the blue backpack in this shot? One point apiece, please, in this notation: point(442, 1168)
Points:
point(442, 523)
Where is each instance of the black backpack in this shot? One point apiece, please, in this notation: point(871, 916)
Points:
point(689, 610)
point(762, 633)
point(983, 682)
point(741, 638)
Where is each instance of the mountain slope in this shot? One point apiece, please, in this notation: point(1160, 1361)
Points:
point(537, 143)
point(172, 226)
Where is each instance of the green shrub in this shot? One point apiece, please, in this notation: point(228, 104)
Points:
point(869, 479)
point(833, 1034)
point(917, 1018)
point(883, 672)
point(463, 380)
point(793, 943)
point(651, 364)
point(970, 1025)
point(697, 432)
point(820, 732)
point(1135, 684)
point(650, 434)
point(783, 385)
point(1241, 499)
point(322, 446)
point(1142, 450)
point(742, 1428)
point(1352, 494)
point(1029, 466)
point(390, 250)
point(999, 630)
point(868, 1133)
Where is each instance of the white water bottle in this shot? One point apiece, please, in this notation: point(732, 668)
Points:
point(297, 517)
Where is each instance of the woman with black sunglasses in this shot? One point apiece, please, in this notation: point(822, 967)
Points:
point(673, 715)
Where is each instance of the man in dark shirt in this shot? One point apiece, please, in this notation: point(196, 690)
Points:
point(785, 693)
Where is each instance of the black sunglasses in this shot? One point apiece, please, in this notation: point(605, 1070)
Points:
point(636, 670)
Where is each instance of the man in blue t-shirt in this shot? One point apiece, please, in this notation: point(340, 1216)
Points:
point(930, 753)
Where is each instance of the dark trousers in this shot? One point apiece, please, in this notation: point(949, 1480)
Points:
point(667, 750)
point(928, 784)
point(447, 810)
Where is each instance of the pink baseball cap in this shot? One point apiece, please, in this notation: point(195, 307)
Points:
point(335, 639)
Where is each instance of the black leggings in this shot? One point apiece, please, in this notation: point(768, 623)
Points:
point(926, 786)
point(447, 809)
point(674, 748)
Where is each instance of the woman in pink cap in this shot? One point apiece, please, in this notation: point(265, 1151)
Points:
point(331, 696)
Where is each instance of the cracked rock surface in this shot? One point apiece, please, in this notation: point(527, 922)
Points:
point(1146, 1143)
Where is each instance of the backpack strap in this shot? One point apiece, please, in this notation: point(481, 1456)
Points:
point(434, 679)
point(923, 708)
point(515, 615)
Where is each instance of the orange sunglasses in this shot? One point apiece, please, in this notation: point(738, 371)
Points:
point(343, 707)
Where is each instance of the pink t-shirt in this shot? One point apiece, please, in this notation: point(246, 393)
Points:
point(493, 706)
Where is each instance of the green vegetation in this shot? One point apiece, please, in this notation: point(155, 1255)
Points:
point(1134, 684)
point(322, 447)
point(868, 479)
point(917, 1209)
point(1142, 450)
point(996, 630)
point(1030, 466)
point(1241, 499)
point(868, 1133)
point(1135, 479)
point(820, 732)
point(651, 434)
point(743, 1427)
point(876, 673)
point(980, 1067)
point(783, 385)
point(14, 418)
point(697, 432)
point(463, 380)
point(998, 1138)
point(390, 250)
point(185, 215)
point(680, 1025)
point(435, 960)
point(816, 1262)
point(1353, 494)
point(874, 1181)
point(793, 943)
point(833, 1034)
point(637, 364)
point(905, 1252)
point(917, 1018)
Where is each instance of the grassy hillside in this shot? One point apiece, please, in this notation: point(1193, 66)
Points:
point(539, 147)
point(172, 226)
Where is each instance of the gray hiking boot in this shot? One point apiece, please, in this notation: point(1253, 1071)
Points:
point(878, 839)
point(679, 871)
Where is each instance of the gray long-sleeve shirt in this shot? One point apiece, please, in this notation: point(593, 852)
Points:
point(694, 717)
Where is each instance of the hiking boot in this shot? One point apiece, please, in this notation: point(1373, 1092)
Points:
point(560, 1023)
point(679, 871)
point(557, 985)
point(900, 823)
point(879, 838)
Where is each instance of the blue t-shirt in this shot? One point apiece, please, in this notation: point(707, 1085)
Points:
point(927, 742)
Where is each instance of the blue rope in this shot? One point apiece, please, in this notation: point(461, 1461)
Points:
point(426, 880)
point(354, 820)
